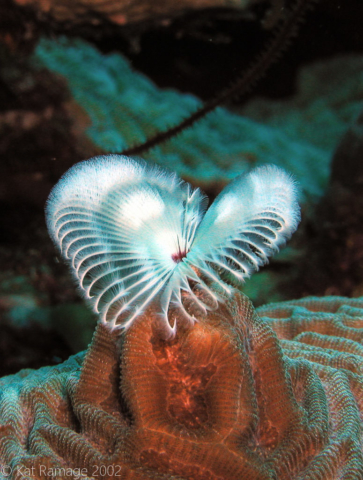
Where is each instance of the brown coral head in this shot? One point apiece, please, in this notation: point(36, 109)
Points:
point(224, 400)
point(215, 401)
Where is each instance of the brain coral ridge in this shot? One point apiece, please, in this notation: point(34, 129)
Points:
point(271, 395)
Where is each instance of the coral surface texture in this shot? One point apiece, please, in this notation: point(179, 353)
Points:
point(125, 108)
point(276, 394)
point(120, 12)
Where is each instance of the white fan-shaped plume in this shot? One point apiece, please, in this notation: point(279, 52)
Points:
point(247, 222)
point(134, 232)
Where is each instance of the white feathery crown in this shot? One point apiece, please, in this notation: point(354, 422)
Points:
point(134, 232)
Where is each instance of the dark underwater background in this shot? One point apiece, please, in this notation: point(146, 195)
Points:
point(75, 85)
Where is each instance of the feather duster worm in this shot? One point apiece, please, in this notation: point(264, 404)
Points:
point(133, 233)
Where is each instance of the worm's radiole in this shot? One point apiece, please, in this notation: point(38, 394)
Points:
point(133, 233)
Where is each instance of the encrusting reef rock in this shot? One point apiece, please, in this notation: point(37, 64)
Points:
point(125, 108)
point(276, 394)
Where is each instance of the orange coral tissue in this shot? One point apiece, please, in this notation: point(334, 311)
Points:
point(223, 400)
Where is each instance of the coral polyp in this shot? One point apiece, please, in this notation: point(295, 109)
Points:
point(134, 233)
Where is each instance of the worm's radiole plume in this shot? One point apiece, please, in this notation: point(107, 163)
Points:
point(135, 233)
